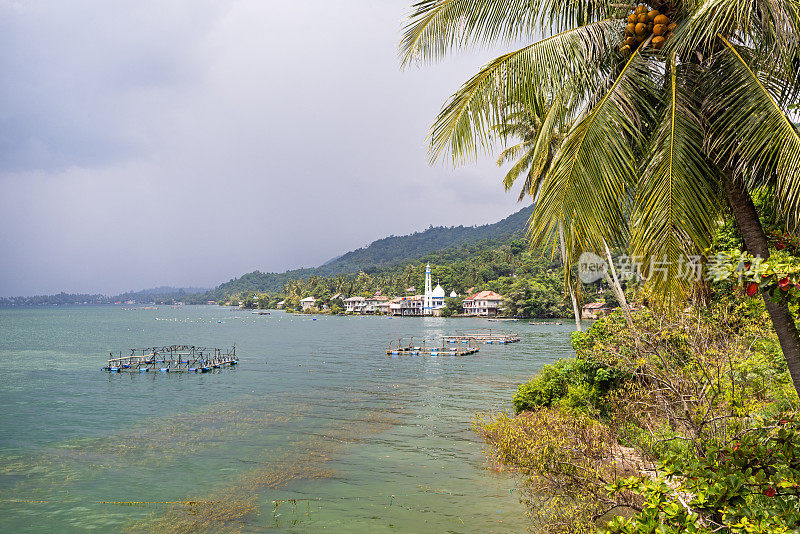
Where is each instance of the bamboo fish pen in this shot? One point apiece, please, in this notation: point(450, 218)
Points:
point(487, 336)
point(174, 358)
point(400, 347)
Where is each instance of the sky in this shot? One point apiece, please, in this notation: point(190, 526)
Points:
point(147, 143)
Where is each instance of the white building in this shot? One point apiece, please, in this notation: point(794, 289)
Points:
point(406, 306)
point(307, 303)
point(373, 304)
point(355, 304)
point(433, 299)
point(484, 304)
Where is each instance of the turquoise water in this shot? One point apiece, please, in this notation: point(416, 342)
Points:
point(317, 428)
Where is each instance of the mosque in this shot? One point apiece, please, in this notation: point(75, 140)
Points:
point(433, 299)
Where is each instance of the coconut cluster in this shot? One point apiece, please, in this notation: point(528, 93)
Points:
point(643, 23)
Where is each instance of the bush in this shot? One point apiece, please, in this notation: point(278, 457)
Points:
point(750, 485)
point(574, 383)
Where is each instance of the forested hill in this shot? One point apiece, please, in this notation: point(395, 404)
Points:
point(382, 254)
point(393, 249)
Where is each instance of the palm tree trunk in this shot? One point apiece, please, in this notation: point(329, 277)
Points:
point(572, 296)
point(755, 241)
point(613, 281)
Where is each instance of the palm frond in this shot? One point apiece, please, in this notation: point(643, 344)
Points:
point(435, 27)
point(513, 153)
point(751, 134)
point(770, 26)
point(589, 186)
point(530, 74)
point(677, 198)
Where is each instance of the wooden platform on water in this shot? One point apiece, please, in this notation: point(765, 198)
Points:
point(412, 349)
point(487, 336)
point(172, 359)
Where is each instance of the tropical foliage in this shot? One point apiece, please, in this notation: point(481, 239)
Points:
point(680, 424)
point(644, 149)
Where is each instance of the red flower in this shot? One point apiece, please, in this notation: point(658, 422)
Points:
point(752, 289)
point(769, 492)
point(780, 246)
point(784, 283)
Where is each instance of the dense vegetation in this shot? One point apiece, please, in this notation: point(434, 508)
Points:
point(384, 255)
point(680, 424)
point(531, 281)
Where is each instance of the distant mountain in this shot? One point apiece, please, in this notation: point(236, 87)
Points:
point(163, 294)
point(382, 254)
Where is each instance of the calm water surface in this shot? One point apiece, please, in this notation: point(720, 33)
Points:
point(316, 429)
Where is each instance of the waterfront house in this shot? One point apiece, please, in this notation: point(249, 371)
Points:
point(594, 310)
point(281, 304)
point(355, 304)
point(372, 304)
point(483, 304)
point(406, 306)
point(307, 303)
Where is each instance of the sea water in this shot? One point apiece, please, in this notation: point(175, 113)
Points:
point(316, 428)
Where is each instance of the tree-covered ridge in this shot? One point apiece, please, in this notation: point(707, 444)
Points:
point(392, 249)
point(384, 254)
point(156, 295)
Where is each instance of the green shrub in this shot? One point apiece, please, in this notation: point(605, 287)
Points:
point(751, 485)
point(575, 383)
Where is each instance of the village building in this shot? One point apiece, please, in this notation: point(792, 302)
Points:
point(307, 303)
point(281, 304)
point(406, 306)
point(483, 304)
point(433, 299)
point(594, 310)
point(354, 304)
point(372, 304)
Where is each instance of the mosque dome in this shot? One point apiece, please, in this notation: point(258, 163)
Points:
point(453, 294)
point(438, 292)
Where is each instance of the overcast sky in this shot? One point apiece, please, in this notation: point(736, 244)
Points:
point(147, 143)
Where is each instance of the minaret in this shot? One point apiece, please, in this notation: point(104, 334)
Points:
point(427, 303)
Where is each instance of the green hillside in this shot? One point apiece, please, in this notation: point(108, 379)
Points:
point(381, 255)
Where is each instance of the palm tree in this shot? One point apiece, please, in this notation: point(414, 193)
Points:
point(533, 157)
point(668, 133)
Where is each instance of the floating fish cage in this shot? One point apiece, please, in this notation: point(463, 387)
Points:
point(175, 358)
point(410, 348)
point(487, 336)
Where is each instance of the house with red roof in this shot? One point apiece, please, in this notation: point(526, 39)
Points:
point(483, 304)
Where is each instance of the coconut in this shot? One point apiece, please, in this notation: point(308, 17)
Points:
point(661, 19)
point(626, 50)
point(659, 29)
point(641, 29)
point(630, 29)
point(642, 18)
point(631, 41)
point(672, 26)
point(658, 42)
point(632, 18)
point(651, 16)
point(641, 9)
